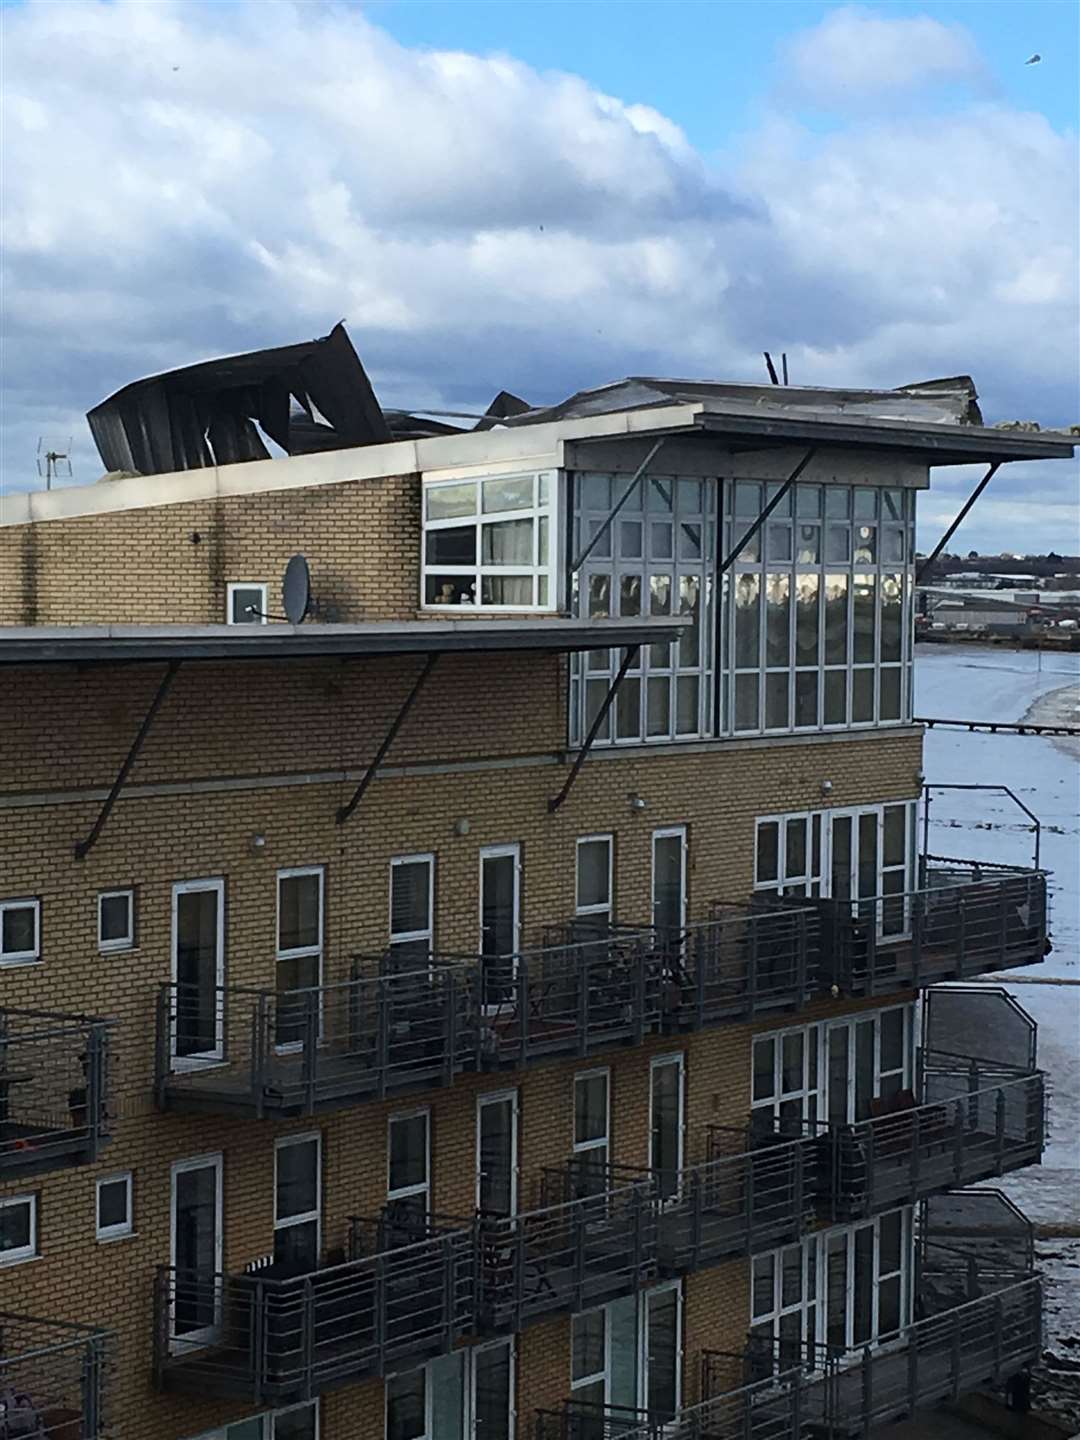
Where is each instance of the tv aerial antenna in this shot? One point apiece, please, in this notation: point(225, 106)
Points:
point(54, 459)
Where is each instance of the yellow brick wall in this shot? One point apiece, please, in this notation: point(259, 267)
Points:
point(170, 564)
point(154, 839)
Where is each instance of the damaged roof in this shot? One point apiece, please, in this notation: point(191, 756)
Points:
point(316, 396)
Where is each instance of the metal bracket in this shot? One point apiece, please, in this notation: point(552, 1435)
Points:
point(951, 531)
point(369, 774)
point(83, 847)
point(632, 653)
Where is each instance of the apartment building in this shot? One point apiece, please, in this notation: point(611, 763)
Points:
point(498, 1005)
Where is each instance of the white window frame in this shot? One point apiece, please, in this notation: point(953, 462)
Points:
point(671, 832)
point(410, 937)
point(500, 1097)
point(425, 1371)
point(122, 1228)
point(495, 852)
point(587, 1147)
point(230, 590)
point(594, 1375)
point(509, 1344)
point(643, 1341)
point(816, 1035)
point(217, 1055)
point(677, 1058)
point(124, 942)
point(406, 1192)
point(29, 1251)
point(302, 952)
point(22, 957)
point(850, 1024)
point(478, 518)
point(306, 1217)
point(215, 1162)
point(585, 911)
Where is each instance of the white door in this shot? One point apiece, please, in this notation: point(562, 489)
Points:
point(496, 1153)
point(669, 880)
point(195, 1249)
point(198, 972)
point(500, 919)
point(666, 1122)
point(661, 1351)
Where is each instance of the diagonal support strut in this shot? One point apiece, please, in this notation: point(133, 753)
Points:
point(623, 498)
point(369, 774)
point(632, 653)
point(951, 531)
point(83, 847)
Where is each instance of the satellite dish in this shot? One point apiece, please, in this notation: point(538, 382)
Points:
point(296, 590)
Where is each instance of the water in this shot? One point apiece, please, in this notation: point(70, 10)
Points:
point(972, 683)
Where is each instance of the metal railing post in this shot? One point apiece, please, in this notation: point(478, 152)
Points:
point(383, 1024)
point(752, 968)
point(523, 1008)
point(260, 1343)
point(916, 939)
point(867, 1386)
point(961, 932)
point(162, 1046)
point(309, 1333)
point(311, 1049)
point(95, 1089)
point(999, 1319)
point(956, 1355)
point(638, 1001)
point(958, 1144)
point(916, 1150)
point(260, 1043)
point(449, 1027)
point(999, 1128)
point(90, 1387)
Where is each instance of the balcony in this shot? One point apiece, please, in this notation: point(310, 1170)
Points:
point(53, 1088)
point(272, 1338)
point(740, 1201)
point(57, 1373)
point(566, 1257)
point(251, 1052)
point(766, 1410)
point(900, 1157)
point(387, 1030)
point(967, 920)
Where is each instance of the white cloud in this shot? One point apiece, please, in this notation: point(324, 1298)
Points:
point(856, 56)
point(197, 181)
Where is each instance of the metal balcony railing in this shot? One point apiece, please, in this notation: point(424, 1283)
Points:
point(53, 1379)
point(938, 1358)
point(565, 1257)
point(768, 1410)
point(899, 1157)
point(743, 961)
point(272, 1339)
point(255, 1052)
point(53, 1090)
point(965, 920)
point(740, 1201)
point(389, 1029)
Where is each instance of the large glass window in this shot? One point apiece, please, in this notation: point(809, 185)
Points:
point(593, 898)
point(833, 1070)
point(592, 1137)
point(845, 1287)
point(817, 629)
point(490, 543)
point(865, 856)
point(589, 1358)
point(468, 1395)
point(654, 558)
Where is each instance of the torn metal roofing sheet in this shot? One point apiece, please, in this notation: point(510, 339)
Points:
point(950, 402)
point(306, 397)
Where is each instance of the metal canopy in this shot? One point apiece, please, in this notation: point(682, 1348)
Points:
point(938, 444)
point(81, 644)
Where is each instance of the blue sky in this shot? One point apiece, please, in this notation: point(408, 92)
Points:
point(708, 65)
point(544, 197)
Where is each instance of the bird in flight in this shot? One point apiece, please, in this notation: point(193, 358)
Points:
point(1034, 60)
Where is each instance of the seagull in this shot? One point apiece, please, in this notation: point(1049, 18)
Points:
point(1034, 60)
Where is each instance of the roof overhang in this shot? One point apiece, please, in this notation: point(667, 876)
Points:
point(121, 644)
point(936, 444)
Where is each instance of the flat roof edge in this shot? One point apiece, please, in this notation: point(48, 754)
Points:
point(76, 644)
